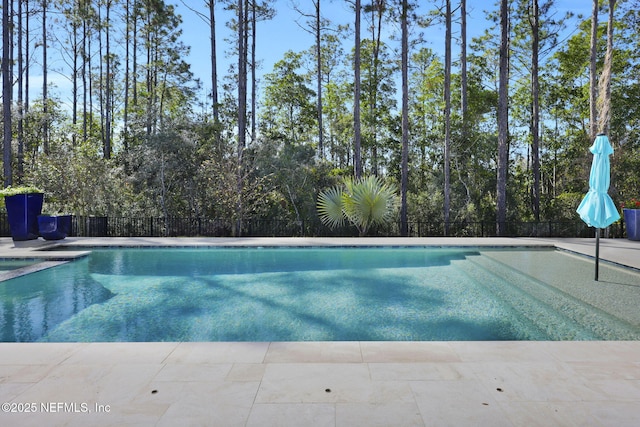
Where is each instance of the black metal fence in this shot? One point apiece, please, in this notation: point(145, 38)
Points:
point(92, 226)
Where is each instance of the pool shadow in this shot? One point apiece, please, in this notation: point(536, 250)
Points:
point(285, 319)
point(202, 309)
point(609, 282)
point(386, 319)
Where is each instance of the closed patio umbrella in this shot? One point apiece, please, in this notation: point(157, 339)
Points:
point(597, 209)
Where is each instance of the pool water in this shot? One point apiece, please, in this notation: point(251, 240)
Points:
point(14, 264)
point(322, 294)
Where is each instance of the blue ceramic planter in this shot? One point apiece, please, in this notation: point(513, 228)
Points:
point(54, 227)
point(22, 213)
point(632, 223)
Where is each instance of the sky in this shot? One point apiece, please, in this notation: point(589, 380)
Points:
point(283, 32)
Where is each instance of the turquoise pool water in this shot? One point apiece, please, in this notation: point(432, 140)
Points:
point(321, 294)
point(14, 264)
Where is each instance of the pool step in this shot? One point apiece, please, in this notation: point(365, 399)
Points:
point(559, 315)
point(553, 325)
point(602, 323)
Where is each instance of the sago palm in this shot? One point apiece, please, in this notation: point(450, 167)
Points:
point(363, 202)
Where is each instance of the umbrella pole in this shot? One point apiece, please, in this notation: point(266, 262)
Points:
point(597, 250)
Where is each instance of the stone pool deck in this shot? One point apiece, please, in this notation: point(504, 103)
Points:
point(526, 383)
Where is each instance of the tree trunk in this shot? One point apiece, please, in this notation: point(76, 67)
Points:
point(149, 74)
point(242, 109)
point(447, 119)
point(27, 57)
point(376, 30)
point(464, 101)
point(319, 83)
point(604, 115)
point(593, 84)
point(535, 110)
point(108, 89)
point(45, 96)
point(253, 70)
point(127, 76)
point(242, 78)
point(357, 159)
point(6, 92)
point(463, 65)
point(74, 75)
point(20, 97)
point(214, 63)
point(404, 222)
point(88, 118)
point(503, 122)
point(85, 84)
point(101, 91)
point(134, 58)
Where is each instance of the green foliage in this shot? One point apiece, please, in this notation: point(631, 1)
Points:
point(289, 113)
point(79, 181)
point(169, 160)
point(563, 207)
point(330, 207)
point(364, 202)
point(12, 191)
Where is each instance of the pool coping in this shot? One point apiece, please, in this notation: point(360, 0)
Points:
point(23, 271)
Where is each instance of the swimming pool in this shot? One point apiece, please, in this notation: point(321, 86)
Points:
point(9, 264)
point(322, 294)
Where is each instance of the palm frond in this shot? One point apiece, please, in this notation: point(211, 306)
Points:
point(330, 207)
point(370, 202)
point(364, 202)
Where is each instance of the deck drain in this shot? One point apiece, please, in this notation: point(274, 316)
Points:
point(499, 389)
point(327, 390)
point(154, 391)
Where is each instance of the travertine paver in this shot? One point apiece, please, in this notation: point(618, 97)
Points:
point(484, 383)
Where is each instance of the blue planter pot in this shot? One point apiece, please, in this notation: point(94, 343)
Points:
point(632, 223)
point(54, 227)
point(22, 213)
